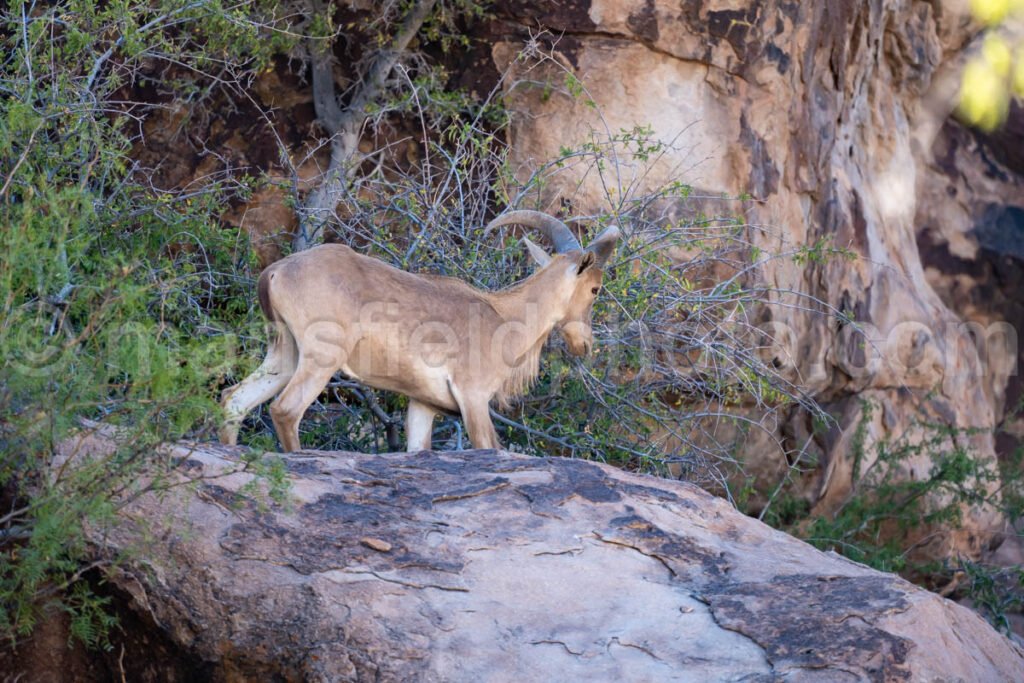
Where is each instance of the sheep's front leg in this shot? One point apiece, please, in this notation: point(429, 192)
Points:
point(419, 426)
point(475, 409)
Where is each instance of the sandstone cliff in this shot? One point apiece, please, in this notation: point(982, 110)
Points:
point(836, 117)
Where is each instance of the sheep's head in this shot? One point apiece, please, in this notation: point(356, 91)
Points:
point(583, 270)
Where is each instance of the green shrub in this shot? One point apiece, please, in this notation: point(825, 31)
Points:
point(888, 514)
point(116, 298)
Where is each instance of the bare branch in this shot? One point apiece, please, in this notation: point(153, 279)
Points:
point(345, 124)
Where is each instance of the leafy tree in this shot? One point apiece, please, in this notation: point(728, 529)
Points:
point(123, 303)
point(116, 296)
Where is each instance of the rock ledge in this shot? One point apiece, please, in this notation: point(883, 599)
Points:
point(492, 566)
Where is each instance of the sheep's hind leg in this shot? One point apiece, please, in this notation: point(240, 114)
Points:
point(262, 385)
point(287, 410)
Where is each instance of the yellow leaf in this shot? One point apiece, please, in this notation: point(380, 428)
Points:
point(984, 100)
point(1018, 74)
point(990, 12)
point(997, 54)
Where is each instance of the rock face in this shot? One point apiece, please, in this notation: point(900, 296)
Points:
point(491, 566)
point(969, 233)
point(835, 116)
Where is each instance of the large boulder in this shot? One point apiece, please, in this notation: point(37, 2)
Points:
point(492, 566)
point(835, 117)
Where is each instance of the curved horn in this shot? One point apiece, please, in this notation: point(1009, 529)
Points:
point(557, 232)
point(603, 245)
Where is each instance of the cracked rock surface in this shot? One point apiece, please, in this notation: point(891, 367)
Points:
point(492, 566)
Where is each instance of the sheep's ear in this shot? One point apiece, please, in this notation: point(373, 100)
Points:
point(603, 245)
point(539, 255)
point(586, 261)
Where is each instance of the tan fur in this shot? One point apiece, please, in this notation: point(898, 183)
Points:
point(263, 293)
point(447, 346)
point(521, 378)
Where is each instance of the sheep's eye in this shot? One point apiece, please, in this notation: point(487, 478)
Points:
point(595, 290)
